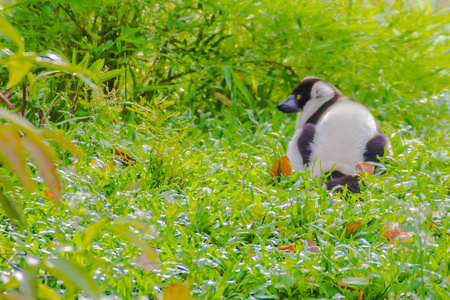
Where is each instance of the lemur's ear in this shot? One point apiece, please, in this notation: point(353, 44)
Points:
point(322, 90)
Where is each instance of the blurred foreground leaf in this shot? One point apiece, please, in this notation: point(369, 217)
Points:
point(73, 275)
point(12, 211)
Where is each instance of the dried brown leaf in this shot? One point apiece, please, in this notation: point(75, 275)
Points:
point(289, 248)
point(365, 167)
point(351, 228)
point(123, 158)
point(312, 246)
point(394, 232)
point(147, 263)
point(281, 167)
point(12, 154)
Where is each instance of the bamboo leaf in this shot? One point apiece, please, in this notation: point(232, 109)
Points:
point(143, 227)
point(28, 283)
point(133, 238)
point(177, 291)
point(97, 66)
point(40, 154)
point(20, 122)
point(120, 227)
point(42, 75)
point(355, 281)
point(227, 74)
point(53, 61)
point(72, 275)
point(12, 211)
point(12, 154)
point(46, 292)
point(110, 74)
point(170, 22)
point(10, 32)
point(63, 142)
point(18, 67)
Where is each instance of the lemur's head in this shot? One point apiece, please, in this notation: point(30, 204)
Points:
point(311, 89)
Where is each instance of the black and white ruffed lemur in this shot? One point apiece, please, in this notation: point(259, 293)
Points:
point(333, 133)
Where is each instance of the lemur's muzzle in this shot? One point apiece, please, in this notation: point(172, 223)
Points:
point(289, 105)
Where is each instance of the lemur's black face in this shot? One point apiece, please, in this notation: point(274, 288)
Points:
point(299, 97)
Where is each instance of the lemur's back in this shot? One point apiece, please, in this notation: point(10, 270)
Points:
point(340, 138)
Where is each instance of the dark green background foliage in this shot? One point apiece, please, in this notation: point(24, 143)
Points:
point(193, 103)
point(253, 52)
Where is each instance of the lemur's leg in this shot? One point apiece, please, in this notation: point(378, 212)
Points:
point(375, 147)
point(352, 183)
point(304, 142)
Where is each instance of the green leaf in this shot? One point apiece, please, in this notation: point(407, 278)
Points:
point(110, 74)
point(85, 61)
point(18, 66)
point(224, 99)
point(97, 66)
point(227, 74)
point(46, 292)
point(177, 291)
point(355, 281)
point(12, 211)
point(51, 60)
point(133, 238)
point(44, 75)
point(121, 227)
point(170, 22)
point(63, 142)
point(28, 283)
point(10, 32)
point(72, 274)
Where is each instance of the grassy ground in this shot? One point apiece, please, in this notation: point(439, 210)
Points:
point(196, 175)
point(220, 218)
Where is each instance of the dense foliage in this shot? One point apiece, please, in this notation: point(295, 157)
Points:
point(180, 140)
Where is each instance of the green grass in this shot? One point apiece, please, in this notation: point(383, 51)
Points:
point(221, 218)
point(200, 188)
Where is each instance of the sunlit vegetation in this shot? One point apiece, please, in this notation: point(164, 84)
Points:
point(170, 110)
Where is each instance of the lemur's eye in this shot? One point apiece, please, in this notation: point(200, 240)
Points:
point(298, 97)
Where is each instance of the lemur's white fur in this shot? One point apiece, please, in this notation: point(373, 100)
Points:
point(341, 133)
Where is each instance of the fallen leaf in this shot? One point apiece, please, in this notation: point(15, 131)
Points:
point(365, 167)
point(289, 248)
point(108, 166)
point(123, 158)
point(48, 194)
point(312, 246)
point(281, 167)
point(148, 264)
point(393, 231)
point(351, 228)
